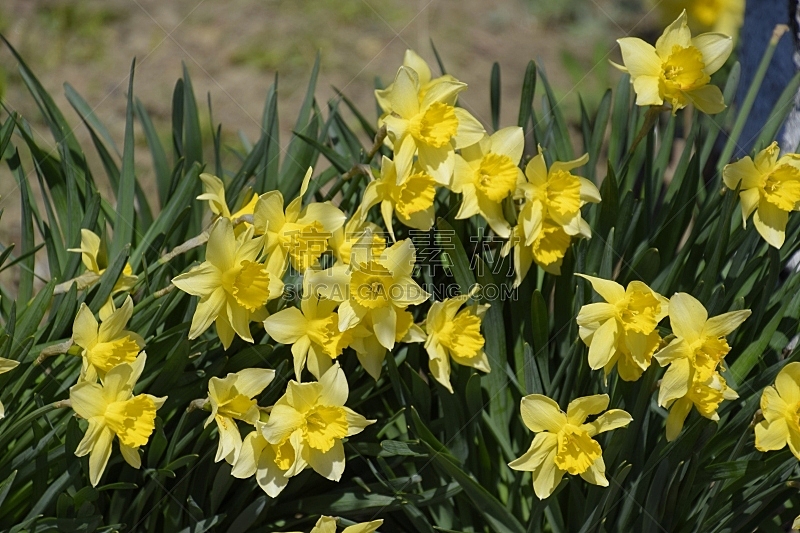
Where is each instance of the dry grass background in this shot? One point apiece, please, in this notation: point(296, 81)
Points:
point(233, 48)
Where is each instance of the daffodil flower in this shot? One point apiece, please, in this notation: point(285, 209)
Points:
point(230, 399)
point(426, 80)
point(267, 462)
point(93, 256)
point(455, 333)
point(780, 405)
point(770, 190)
point(327, 524)
point(6, 365)
point(550, 215)
point(214, 194)
point(112, 410)
point(298, 234)
point(431, 127)
point(377, 286)
point(693, 356)
point(232, 285)
point(343, 239)
point(313, 332)
point(564, 442)
point(678, 69)
point(313, 419)
point(486, 173)
point(104, 346)
point(622, 330)
point(370, 352)
point(410, 197)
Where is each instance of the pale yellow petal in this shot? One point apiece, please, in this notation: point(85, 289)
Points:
point(612, 419)
point(286, 326)
point(676, 34)
point(603, 346)
point(771, 435)
point(647, 91)
point(580, 409)
point(540, 413)
point(716, 48)
point(509, 142)
point(611, 291)
point(98, 458)
point(771, 222)
point(85, 327)
point(596, 473)
point(676, 381)
point(639, 57)
point(687, 316)
point(708, 99)
point(725, 324)
point(787, 383)
point(677, 416)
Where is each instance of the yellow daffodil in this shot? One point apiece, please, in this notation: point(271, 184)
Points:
point(409, 197)
point(6, 365)
point(93, 256)
point(677, 71)
point(230, 399)
point(327, 524)
point(770, 190)
point(343, 239)
point(232, 285)
point(693, 356)
point(379, 286)
point(104, 346)
point(430, 126)
point(313, 332)
point(550, 215)
point(371, 352)
point(564, 442)
point(214, 194)
point(455, 334)
point(622, 330)
point(313, 419)
point(780, 405)
point(486, 173)
point(413, 61)
point(267, 462)
point(705, 395)
point(112, 410)
point(298, 234)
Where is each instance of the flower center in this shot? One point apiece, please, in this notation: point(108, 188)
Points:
point(496, 177)
point(237, 406)
point(462, 336)
point(132, 420)
point(251, 286)
point(305, 243)
point(563, 192)
point(284, 454)
point(106, 355)
point(371, 286)
point(708, 353)
point(638, 311)
point(706, 398)
point(577, 451)
point(325, 333)
point(782, 187)
point(551, 244)
point(436, 126)
point(324, 425)
point(414, 195)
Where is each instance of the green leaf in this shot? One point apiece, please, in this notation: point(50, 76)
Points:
point(124, 223)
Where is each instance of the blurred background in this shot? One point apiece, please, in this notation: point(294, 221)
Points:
point(234, 48)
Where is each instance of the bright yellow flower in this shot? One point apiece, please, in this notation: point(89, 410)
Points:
point(313, 332)
point(313, 419)
point(694, 356)
point(370, 351)
point(112, 410)
point(705, 395)
point(230, 399)
point(455, 334)
point(267, 462)
point(327, 524)
point(343, 239)
point(678, 69)
point(298, 233)
point(426, 81)
point(486, 173)
point(232, 285)
point(93, 256)
point(770, 189)
point(214, 194)
point(424, 121)
point(6, 365)
point(379, 286)
point(780, 405)
point(105, 345)
point(622, 330)
point(564, 442)
point(408, 197)
point(550, 215)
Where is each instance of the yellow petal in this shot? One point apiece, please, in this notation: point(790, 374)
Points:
point(509, 142)
point(334, 387)
point(603, 344)
point(286, 326)
point(446, 91)
point(771, 222)
point(708, 99)
point(87, 400)
point(547, 478)
point(677, 416)
point(596, 474)
point(201, 280)
point(131, 455)
point(771, 435)
point(744, 171)
point(540, 413)
point(687, 316)
point(611, 291)
point(413, 61)
point(113, 326)
point(543, 443)
point(85, 327)
point(367, 527)
point(580, 409)
point(724, 324)
point(639, 57)
point(716, 48)
point(221, 247)
point(676, 34)
point(589, 191)
point(647, 91)
point(470, 130)
point(676, 381)
point(403, 98)
point(536, 170)
point(787, 383)
point(612, 419)
point(98, 458)
point(208, 309)
point(329, 464)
